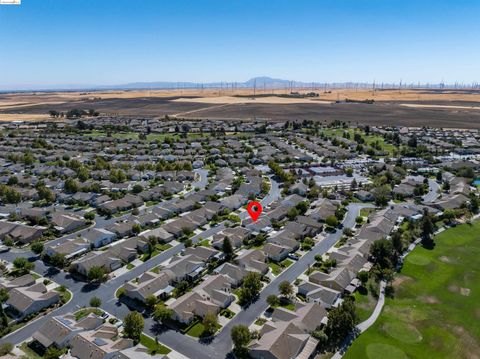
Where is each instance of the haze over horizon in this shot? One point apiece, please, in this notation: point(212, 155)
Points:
point(55, 44)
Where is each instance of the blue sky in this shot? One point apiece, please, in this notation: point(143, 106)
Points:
point(90, 42)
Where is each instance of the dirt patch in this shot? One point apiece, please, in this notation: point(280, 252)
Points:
point(469, 347)
point(454, 288)
point(429, 299)
point(445, 259)
point(400, 279)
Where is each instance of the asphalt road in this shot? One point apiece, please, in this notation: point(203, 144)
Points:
point(433, 188)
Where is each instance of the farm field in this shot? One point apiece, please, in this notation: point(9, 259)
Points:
point(435, 311)
point(421, 107)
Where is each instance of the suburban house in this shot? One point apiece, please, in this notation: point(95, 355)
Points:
point(338, 279)
point(103, 342)
point(65, 223)
point(253, 260)
point(98, 237)
point(69, 248)
point(186, 267)
point(58, 331)
point(210, 296)
point(148, 284)
point(32, 299)
point(105, 260)
point(23, 281)
point(275, 252)
point(288, 335)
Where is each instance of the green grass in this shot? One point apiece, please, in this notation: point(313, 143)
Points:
point(153, 347)
point(130, 266)
point(204, 243)
point(195, 330)
point(276, 269)
point(364, 304)
point(260, 321)
point(227, 313)
point(65, 294)
point(435, 311)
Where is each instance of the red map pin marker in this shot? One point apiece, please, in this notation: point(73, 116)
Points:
point(254, 210)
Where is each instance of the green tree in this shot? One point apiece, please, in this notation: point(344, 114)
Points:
point(37, 247)
point(46, 194)
point(250, 288)
point(70, 185)
point(3, 318)
point(136, 228)
point(162, 313)
point(341, 321)
point(241, 336)
point(272, 300)
point(6, 348)
point(151, 301)
point(286, 289)
point(137, 188)
point(210, 324)
point(23, 265)
point(133, 325)
point(363, 277)
point(58, 260)
point(383, 254)
point(89, 216)
point(97, 274)
point(227, 248)
point(95, 302)
point(331, 221)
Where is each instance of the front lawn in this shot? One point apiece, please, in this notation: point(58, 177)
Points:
point(435, 312)
point(153, 346)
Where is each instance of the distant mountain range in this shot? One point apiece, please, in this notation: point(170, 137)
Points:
point(259, 82)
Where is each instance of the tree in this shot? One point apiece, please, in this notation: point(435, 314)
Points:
point(150, 301)
point(23, 265)
point(250, 288)
point(241, 336)
point(382, 195)
point(272, 300)
point(58, 260)
point(6, 348)
point(227, 248)
point(286, 289)
point(95, 302)
point(383, 254)
point(97, 274)
point(89, 216)
point(70, 186)
point(37, 247)
point(341, 321)
point(331, 221)
point(359, 220)
point(136, 228)
point(428, 228)
point(3, 318)
point(162, 314)
point(137, 188)
point(46, 194)
point(210, 324)
point(363, 277)
point(133, 325)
